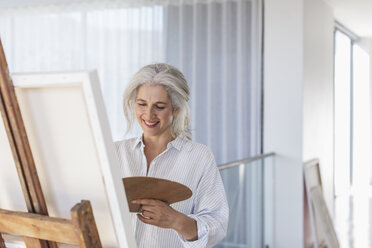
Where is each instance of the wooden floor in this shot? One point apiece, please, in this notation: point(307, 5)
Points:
point(353, 219)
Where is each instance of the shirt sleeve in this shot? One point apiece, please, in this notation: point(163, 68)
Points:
point(210, 211)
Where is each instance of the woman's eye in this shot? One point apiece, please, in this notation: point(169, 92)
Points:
point(160, 107)
point(141, 104)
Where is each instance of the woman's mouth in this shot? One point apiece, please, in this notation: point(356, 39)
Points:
point(150, 124)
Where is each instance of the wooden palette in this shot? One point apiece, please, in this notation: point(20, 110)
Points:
point(154, 188)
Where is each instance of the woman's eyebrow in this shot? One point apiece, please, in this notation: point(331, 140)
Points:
point(159, 102)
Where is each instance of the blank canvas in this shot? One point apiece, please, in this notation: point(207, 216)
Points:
point(70, 139)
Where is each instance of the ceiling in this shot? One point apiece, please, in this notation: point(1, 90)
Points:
point(355, 15)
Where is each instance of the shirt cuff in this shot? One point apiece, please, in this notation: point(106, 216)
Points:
point(202, 234)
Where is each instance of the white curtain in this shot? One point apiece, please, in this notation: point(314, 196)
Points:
point(217, 44)
point(213, 45)
point(116, 42)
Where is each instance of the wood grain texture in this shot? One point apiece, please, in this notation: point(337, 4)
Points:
point(154, 188)
point(19, 137)
point(12, 142)
point(81, 230)
point(19, 143)
point(2, 244)
point(33, 242)
point(37, 226)
point(85, 225)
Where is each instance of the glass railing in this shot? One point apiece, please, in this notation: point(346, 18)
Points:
point(249, 190)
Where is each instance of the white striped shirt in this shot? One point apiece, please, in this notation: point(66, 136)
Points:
point(193, 165)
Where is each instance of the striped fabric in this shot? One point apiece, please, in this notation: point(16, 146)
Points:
point(193, 165)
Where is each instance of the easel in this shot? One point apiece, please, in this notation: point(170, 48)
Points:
point(80, 230)
point(24, 162)
point(322, 225)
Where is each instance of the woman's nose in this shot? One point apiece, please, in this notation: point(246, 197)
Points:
point(149, 113)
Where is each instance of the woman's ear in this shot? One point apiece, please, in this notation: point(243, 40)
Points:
point(175, 112)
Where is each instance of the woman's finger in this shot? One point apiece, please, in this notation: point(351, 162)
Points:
point(146, 202)
point(146, 220)
point(148, 214)
point(148, 208)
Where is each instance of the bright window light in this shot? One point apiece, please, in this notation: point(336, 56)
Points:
point(342, 112)
point(361, 120)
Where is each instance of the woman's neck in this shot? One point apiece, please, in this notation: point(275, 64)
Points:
point(155, 146)
point(158, 142)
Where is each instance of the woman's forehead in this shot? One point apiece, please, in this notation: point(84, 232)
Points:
point(154, 93)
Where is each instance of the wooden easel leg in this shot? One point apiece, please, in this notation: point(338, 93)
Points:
point(20, 147)
point(37, 243)
point(2, 244)
point(29, 242)
point(85, 225)
point(33, 243)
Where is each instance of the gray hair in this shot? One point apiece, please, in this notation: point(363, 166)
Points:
point(178, 90)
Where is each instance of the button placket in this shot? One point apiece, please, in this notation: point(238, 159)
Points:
point(154, 162)
point(144, 162)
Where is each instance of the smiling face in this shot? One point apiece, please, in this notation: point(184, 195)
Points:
point(154, 111)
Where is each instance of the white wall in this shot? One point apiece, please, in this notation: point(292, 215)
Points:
point(367, 46)
point(370, 88)
point(283, 80)
point(361, 116)
point(318, 91)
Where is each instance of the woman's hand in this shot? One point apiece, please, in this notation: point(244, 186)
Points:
point(158, 213)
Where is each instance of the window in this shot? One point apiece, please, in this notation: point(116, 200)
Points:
point(342, 88)
point(352, 115)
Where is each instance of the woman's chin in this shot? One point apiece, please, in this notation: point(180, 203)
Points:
point(151, 132)
point(155, 132)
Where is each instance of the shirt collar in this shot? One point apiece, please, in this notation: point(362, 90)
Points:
point(138, 142)
point(176, 143)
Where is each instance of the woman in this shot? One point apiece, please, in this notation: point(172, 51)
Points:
point(157, 96)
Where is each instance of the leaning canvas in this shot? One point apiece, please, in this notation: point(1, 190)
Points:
point(322, 225)
point(70, 139)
